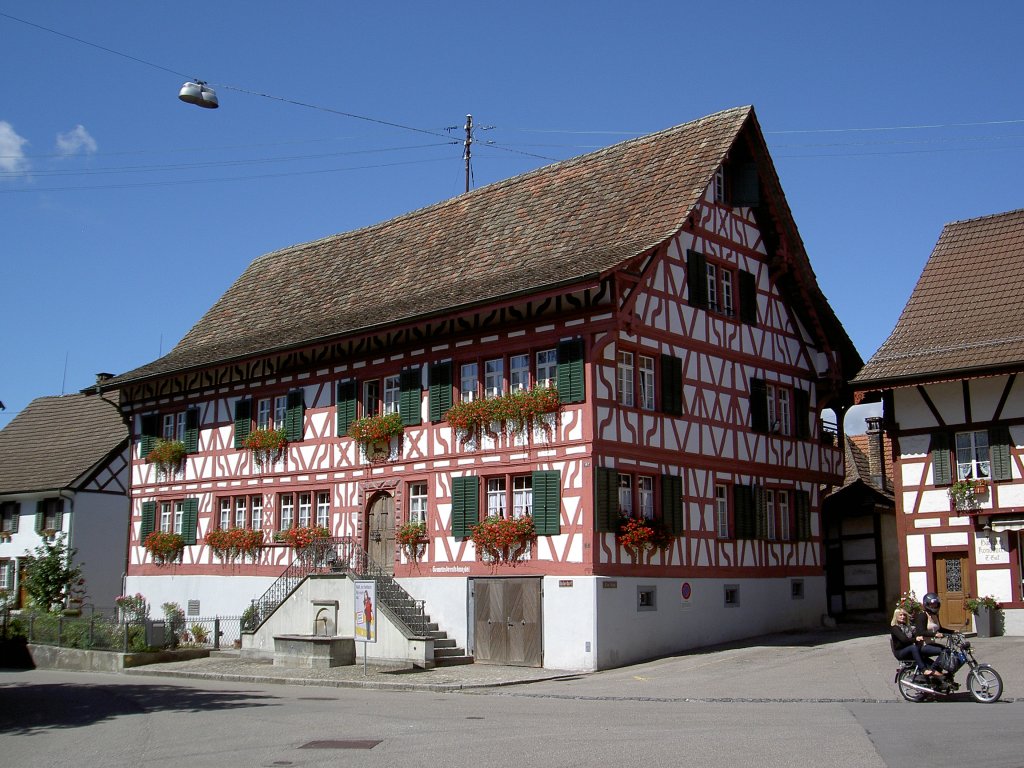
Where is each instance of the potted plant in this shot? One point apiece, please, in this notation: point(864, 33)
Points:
point(412, 538)
point(504, 540)
point(167, 455)
point(963, 495)
point(265, 445)
point(986, 614)
point(234, 543)
point(374, 433)
point(165, 548)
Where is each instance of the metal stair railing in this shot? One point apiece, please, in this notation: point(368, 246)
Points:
point(338, 555)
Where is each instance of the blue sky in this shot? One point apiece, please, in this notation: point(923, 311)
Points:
point(125, 213)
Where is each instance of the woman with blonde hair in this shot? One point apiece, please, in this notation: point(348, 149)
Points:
point(905, 646)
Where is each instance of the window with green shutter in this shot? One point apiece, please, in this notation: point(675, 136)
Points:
point(748, 298)
point(243, 421)
point(672, 504)
point(801, 414)
point(345, 401)
point(570, 372)
point(760, 512)
point(606, 499)
point(189, 520)
point(802, 515)
point(465, 505)
point(759, 405)
point(295, 417)
point(149, 433)
point(942, 468)
point(671, 385)
point(999, 443)
point(410, 397)
point(191, 430)
point(148, 524)
point(440, 390)
point(697, 279)
point(10, 516)
point(547, 502)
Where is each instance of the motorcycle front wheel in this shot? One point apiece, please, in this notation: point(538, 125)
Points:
point(906, 691)
point(985, 684)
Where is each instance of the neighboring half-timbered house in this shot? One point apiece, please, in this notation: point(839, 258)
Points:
point(660, 285)
point(954, 408)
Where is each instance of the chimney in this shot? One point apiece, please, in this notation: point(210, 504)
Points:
point(876, 451)
point(101, 377)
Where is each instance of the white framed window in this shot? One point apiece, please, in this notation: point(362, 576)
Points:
point(720, 184)
point(179, 517)
point(522, 495)
point(371, 397)
point(240, 510)
point(518, 372)
point(547, 368)
point(726, 306)
point(280, 410)
point(174, 426)
point(782, 500)
point(263, 413)
point(494, 377)
point(6, 577)
point(391, 393)
point(626, 495)
point(712, 273)
point(722, 511)
point(624, 378)
point(645, 493)
point(417, 502)
point(469, 381)
point(323, 509)
point(780, 416)
point(769, 523)
point(287, 512)
point(646, 374)
point(167, 518)
point(305, 509)
point(496, 497)
point(972, 456)
point(256, 509)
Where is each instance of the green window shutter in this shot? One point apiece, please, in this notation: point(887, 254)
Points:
point(744, 511)
point(672, 504)
point(748, 297)
point(294, 417)
point(40, 514)
point(671, 385)
point(148, 520)
point(15, 517)
point(942, 468)
point(802, 414)
point(999, 442)
point(189, 520)
point(465, 505)
point(802, 515)
point(149, 432)
point(697, 278)
point(760, 513)
point(547, 502)
point(440, 390)
point(192, 430)
point(758, 405)
point(570, 383)
point(345, 405)
point(606, 499)
point(410, 397)
point(243, 421)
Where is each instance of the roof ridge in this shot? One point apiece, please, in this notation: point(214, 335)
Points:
point(983, 218)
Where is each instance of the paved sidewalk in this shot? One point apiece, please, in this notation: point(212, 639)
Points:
point(849, 663)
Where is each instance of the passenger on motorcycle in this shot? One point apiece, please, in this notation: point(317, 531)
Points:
point(927, 628)
point(906, 645)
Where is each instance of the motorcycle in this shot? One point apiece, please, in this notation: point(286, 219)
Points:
point(984, 683)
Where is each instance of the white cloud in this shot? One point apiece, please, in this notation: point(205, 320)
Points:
point(12, 156)
point(76, 141)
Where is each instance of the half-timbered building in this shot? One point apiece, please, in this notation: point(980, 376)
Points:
point(660, 286)
point(953, 405)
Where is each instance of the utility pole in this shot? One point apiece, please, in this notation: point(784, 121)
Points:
point(468, 144)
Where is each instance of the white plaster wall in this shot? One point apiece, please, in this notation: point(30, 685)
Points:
point(446, 602)
point(919, 583)
point(99, 531)
point(1013, 622)
point(570, 640)
point(915, 552)
point(996, 582)
point(218, 596)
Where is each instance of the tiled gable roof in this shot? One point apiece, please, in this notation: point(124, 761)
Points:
point(53, 441)
point(858, 465)
point(560, 224)
point(967, 310)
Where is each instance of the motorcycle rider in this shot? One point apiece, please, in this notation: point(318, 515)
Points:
point(904, 643)
point(927, 628)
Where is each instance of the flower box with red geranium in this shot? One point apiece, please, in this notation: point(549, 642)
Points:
point(235, 543)
point(265, 445)
point(167, 455)
point(302, 537)
point(638, 534)
point(165, 548)
point(412, 538)
point(374, 433)
point(513, 413)
point(504, 541)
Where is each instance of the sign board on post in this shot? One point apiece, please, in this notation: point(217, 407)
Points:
point(366, 611)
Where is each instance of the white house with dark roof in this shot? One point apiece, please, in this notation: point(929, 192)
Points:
point(64, 470)
point(660, 286)
point(954, 407)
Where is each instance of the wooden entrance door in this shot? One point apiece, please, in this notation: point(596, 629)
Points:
point(951, 585)
point(507, 625)
point(380, 531)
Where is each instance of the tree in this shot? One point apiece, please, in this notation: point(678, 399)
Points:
point(50, 575)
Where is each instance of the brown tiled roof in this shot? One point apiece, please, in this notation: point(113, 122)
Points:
point(54, 441)
point(858, 465)
point(967, 310)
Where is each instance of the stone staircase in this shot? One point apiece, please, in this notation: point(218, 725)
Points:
point(410, 612)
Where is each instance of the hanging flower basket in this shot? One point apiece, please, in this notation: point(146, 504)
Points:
point(965, 494)
point(234, 543)
point(165, 548)
point(638, 534)
point(167, 455)
point(514, 413)
point(300, 538)
point(412, 538)
point(265, 445)
point(504, 541)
